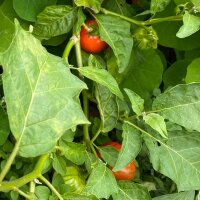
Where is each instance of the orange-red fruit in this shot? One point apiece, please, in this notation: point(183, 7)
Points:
point(90, 42)
point(128, 172)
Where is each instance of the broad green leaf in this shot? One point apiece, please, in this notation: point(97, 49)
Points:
point(96, 61)
point(108, 107)
point(101, 182)
point(95, 5)
point(59, 165)
point(166, 32)
point(158, 5)
point(131, 145)
point(193, 71)
point(4, 127)
point(78, 197)
point(119, 6)
point(6, 31)
point(109, 155)
point(68, 136)
point(55, 20)
point(137, 103)
point(144, 73)
point(157, 122)
point(131, 191)
point(42, 96)
point(74, 152)
point(91, 161)
point(116, 33)
point(191, 24)
point(177, 196)
point(181, 105)
point(177, 158)
point(102, 77)
point(29, 9)
point(176, 73)
point(42, 192)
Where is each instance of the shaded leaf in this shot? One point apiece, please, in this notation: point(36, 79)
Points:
point(101, 182)
point(108, 107)
point(55, 20)
point(80, 20)
point(131, 146)
point(193, 71)
point(29, 9)
point(131, 191)
point(116, 33)
point(137, 103)
point(4, 127)
point(177, 196)
point(42, 96)
point(158, 5)
point(191, 24)
point(42, 192)
point(156, 122)
point(95, 5)
point(177, 158)
point(181, 105)
point(102, 77)
point(109, 155)
point(74, 152)
point(59, 165)
point(78, 197)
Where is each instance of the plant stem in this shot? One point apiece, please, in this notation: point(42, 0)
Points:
point(86, 135)
point(97, 133)
point(23, 193)
point(10, 160)
point(53, 189)
point(68, 47)
point(32, 187)
point(143, 23)
point(10, 185)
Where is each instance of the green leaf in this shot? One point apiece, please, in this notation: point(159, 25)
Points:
point(177, 158)
point(144, 73)
point(95, 5)
point(137, 103)
point(193, 71)
point(109, 155)
point(74, 152)
point(191, 24)
point(80, 20)
point(78, 197)
point(59, 165)
point(158, 5)
point(181, 105)
point(131, 145)
point(176, 73)
point(55, 20)
point(42, 96)
point(108, 107)
point(177, 196)
point(119, 6)
point(29, 9)
point(42, 192)
point(131, 191)
point(156, 122)
point(116, 33)
point(102, 77)
point(6, 31)
point(4, 127)
point(101, 182)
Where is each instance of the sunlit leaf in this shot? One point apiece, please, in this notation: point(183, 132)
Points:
point(181, 105)
point(41, 94)
point(131, 145)
point(158, 5)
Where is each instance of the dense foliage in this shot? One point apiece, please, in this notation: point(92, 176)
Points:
point(61, 104)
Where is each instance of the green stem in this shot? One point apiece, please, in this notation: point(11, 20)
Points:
point(143, 23)
point(23, 193)
point(86, 135)
point(10, 185)
point(68, 47)
point(32, 187)
point(53, 189)
point(10, 160)
point(97, 134)
point(136, 22)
